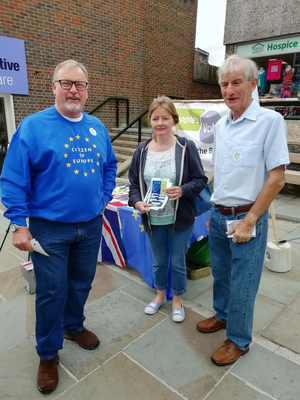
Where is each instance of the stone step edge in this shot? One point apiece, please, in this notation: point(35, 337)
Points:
point(132, 130)
point(124, 166)
point(125, 148)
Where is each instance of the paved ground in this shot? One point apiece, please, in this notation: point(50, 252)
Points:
point(151, 357)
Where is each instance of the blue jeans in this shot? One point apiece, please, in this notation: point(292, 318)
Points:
point(63, 280)
point(237, 269)
point(162, 235)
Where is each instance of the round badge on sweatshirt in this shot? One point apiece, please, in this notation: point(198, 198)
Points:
point(93, 132)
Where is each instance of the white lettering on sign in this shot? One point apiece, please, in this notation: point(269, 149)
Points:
point(6, 80)
point(188, 120)
point(208, 128)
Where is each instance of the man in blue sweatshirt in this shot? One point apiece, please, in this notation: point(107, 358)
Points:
point(59, 171)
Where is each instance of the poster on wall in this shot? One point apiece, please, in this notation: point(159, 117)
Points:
point(13, 70)
point(196, 122)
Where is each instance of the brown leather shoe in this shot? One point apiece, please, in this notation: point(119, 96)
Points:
point(47, 377)
point(86, 339)
point(227, 354)
point(210, 325)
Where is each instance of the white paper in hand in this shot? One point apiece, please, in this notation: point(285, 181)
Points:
point(37, 247)
point(230, 224)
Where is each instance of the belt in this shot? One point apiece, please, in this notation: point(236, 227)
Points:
point(233, 210)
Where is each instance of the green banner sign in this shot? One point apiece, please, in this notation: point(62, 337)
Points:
point(189, 118)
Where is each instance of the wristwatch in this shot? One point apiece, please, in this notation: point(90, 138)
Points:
point(14, 227)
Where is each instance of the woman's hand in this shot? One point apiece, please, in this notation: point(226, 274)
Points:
point(142, 207)
point(174, 192)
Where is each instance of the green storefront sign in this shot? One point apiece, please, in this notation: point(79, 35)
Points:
point(270, 47)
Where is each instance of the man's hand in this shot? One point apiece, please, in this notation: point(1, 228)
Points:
point(142, 207)
point(104, 208)
point(21, 239)
point(242, 231)
point(174, 192)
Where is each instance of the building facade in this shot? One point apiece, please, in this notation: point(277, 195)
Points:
point(267, 31)
point(134, 49)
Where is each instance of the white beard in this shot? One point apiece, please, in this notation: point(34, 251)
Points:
point(73, 107)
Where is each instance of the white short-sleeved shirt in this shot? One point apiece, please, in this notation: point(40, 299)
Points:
point(244, 151)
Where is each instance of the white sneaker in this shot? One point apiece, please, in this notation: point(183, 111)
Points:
point(178, 315)
point(153, 307)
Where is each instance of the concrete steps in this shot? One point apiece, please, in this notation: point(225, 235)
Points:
point(125, 146)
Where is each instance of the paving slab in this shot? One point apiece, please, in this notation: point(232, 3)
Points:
point(11, 283)
point(9, 259)
point(233, 388)
point(270, 372)
point(195, 288)
point(294, 273)
point(120, 378)
point(106, 281)
point(293, 236)
point(180, 355)
point(117, 319)
point(282, 199)
point(288, 211)
point(265, 312)
point(285, 329)
point(281, 233)
point(18, 371)
point(277, 286)
point(146, 294)
point(3, 227)
point(205, 300)
point(17, 316)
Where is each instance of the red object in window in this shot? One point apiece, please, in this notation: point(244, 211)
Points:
point(274, 69)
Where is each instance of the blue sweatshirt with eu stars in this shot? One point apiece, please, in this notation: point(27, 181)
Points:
point(57, 169)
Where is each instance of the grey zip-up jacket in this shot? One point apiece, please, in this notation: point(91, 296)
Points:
point(189, 176)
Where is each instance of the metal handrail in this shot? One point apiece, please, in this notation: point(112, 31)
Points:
point(117, 99)
point(137, 119)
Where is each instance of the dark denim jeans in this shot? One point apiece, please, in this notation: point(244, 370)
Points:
point(63, 280)
point(162, 235)
point(237, 269)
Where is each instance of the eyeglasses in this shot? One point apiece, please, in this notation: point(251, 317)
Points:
point(64, 84)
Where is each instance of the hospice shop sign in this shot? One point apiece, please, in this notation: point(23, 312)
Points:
point(13, 72)
point(269, 47)
point(196, 122)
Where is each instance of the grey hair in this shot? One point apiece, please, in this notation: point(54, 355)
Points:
point(70, 64)
point(234, 64)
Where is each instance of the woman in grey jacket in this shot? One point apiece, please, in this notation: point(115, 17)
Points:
point(177, 160)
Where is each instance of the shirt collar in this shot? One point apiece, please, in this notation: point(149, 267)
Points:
point(250, 113)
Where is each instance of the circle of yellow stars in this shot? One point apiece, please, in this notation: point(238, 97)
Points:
point(76, 171)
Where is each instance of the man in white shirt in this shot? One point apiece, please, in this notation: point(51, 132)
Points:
point(249, 158)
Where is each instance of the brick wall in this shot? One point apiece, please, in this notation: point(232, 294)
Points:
point(134, 48)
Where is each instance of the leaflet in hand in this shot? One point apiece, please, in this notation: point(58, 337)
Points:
point(156, 194)
point(233, 222)
point(37, 247)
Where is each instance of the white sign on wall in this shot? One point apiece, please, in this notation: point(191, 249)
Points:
point(269, 47)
